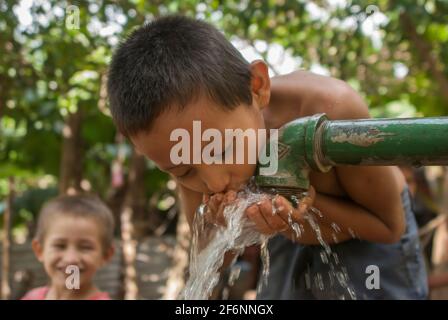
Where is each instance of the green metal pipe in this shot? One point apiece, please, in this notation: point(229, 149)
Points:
point(319, 144)
point(386, 142)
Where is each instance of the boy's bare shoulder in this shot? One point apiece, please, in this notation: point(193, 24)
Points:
point(310, 93)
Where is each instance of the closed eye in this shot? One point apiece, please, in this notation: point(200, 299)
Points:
point(185, 174)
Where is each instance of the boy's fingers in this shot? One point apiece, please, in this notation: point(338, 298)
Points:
point(223, 200)
point(212, 208)
point(254, 214)
point(216, 205)
point(273, 220)
point(309, 197)
point(215, 202)
point(311, 193)
point(229, 197)
point(287, 212)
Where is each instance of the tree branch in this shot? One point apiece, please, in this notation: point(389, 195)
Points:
point(425, 52)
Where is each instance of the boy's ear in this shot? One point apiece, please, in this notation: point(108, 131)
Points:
point(260, 83)
point(38, 249)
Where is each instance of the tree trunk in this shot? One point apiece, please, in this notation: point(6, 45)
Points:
point(118, 185)
point(5, 288)
point(176, 275)
point(440, 242)
point(133, 205)
point(138, 194)
point(72, 154)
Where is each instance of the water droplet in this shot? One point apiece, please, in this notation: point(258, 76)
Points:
point(341, 278)
point(318, 281)
point(290, 218)
point(308, 280)
point(297, 230)
point(234, 274)
point(317, 212)
point(335, 227)
point(323, 257)
point(352, 293)
point(330, 276)
point(274, 205)
point(335, 239)
point(294, 201)
point(352, 233)
point(336, 258)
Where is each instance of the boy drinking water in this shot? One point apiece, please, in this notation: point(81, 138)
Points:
point(73, 232)
point(176, 71)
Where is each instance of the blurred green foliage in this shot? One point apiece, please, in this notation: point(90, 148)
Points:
point(48, 69)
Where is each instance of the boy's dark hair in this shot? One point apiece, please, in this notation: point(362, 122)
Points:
point(81, 205)
point(171, 61)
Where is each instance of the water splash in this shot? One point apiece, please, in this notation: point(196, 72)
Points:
point(211, 242)
point(330, 258)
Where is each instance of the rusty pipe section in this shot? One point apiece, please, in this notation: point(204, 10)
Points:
point(377, 142)
point(317, 143)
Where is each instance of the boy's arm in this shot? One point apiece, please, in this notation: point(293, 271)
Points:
point(373, 209)
point(353, 220)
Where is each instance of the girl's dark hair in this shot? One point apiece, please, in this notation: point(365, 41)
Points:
point(170, 62)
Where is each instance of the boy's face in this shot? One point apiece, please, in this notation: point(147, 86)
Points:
point(72, 241)
point(204, 178)
point(214, 177)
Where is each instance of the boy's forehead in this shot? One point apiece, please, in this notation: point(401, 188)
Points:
point(194, 119)
point(61, 224)
point(156, 143)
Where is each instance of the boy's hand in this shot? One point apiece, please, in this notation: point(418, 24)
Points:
point(262, 214)
point(216, 204)
point(269, 222)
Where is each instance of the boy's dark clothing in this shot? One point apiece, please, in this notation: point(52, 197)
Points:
point(296, 270)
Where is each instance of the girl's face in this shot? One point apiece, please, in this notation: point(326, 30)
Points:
point(72, 241)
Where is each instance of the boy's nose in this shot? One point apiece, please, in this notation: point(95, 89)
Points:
point(71, 256)
point(216, 186)
point(216, 182)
